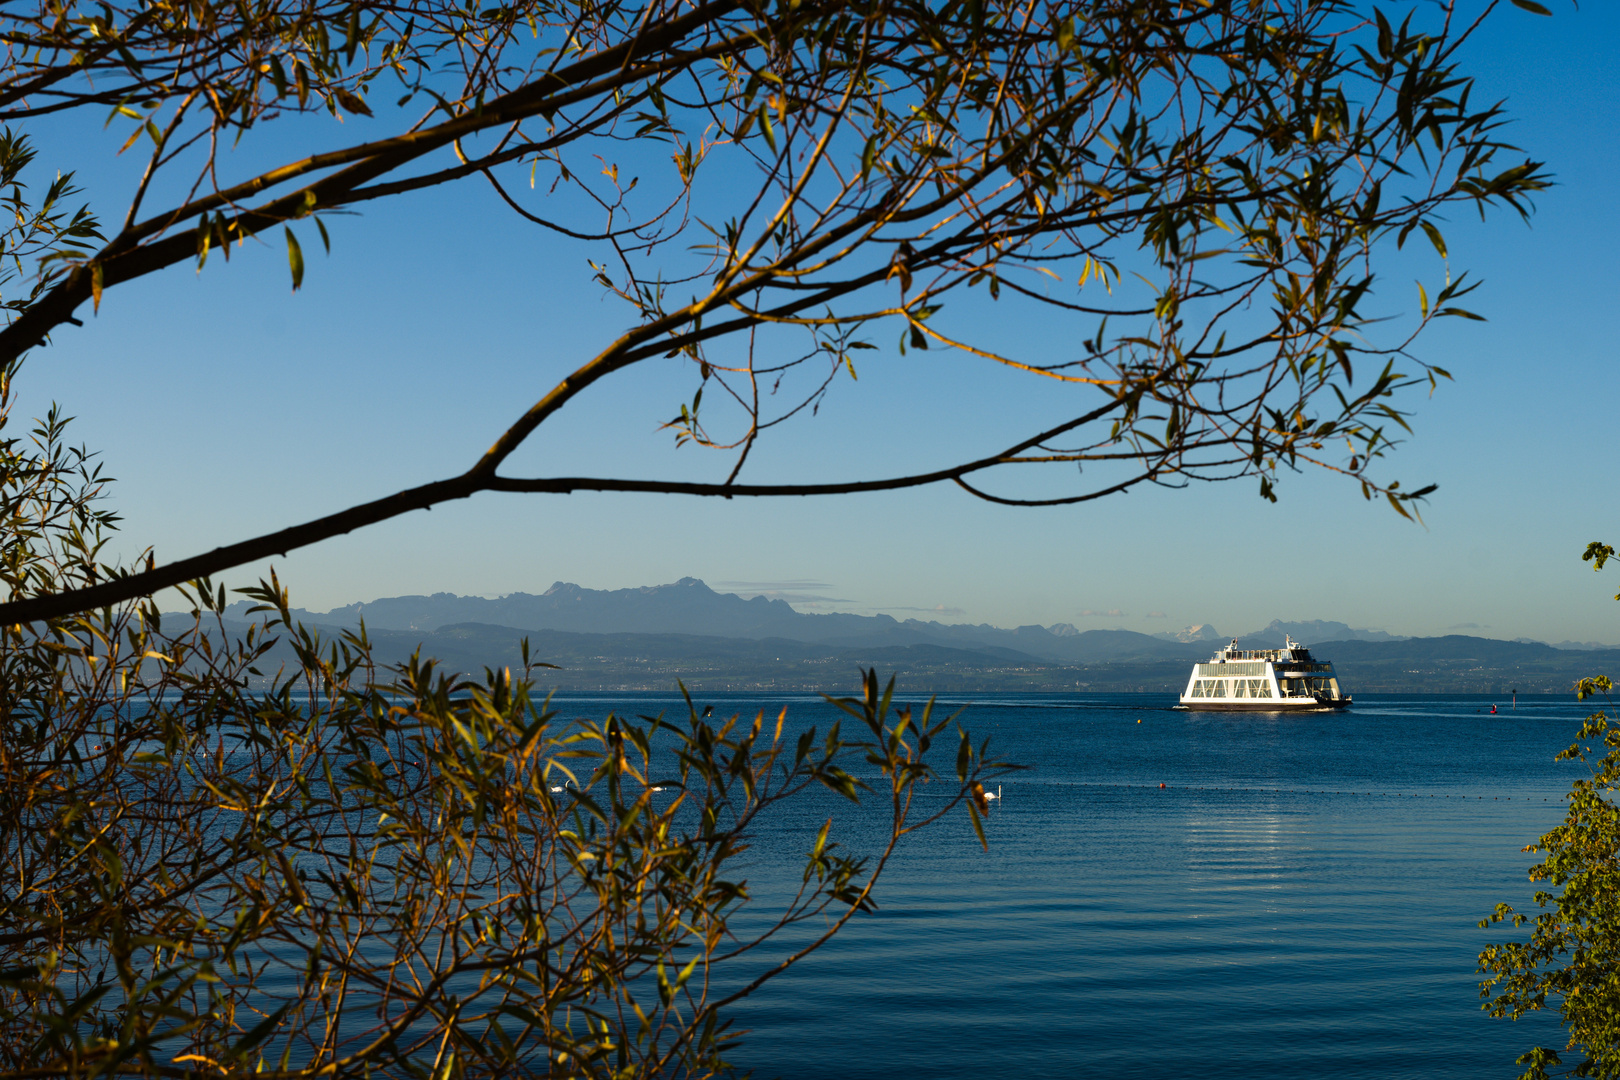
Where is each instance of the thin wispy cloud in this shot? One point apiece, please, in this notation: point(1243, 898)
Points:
point(797, 598)
point(1156, 615)
point(939, 610)
point(1111, 613)
point(1469, 626)
point(800, 592)
point(793, 585)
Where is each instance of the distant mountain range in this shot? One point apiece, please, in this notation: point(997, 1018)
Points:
point(646, 638)
point(1273, 635)
point(1201, 632)
point(688, 606)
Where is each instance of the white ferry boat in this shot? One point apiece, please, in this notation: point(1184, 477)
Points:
point(1264, 680)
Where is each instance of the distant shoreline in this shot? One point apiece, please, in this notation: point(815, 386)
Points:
point(639, 663)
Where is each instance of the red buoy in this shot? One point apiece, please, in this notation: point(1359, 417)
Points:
point(1161, 785)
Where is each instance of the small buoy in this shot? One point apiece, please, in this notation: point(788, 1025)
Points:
point(1161, 785)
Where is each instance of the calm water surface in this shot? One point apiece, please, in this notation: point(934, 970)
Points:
point(1300, 899)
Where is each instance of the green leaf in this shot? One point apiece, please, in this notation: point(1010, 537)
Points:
point(978, 826)
point(821, 840)
point(767, 128)
point(1536, 9)
point(686, 972)
point(295, 259)
point(1435, 238)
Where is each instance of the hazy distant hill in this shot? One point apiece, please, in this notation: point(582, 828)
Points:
point(1446, 665)
point(1306, 633)
point(1455, 648)
point(657, 661)
point(1312, 631)
point(647, 638)
point(1451, 664)
point(688, 606)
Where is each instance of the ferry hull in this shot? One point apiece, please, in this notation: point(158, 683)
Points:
point(1262, 705)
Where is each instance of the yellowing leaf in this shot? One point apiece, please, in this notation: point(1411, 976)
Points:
point(352, 102)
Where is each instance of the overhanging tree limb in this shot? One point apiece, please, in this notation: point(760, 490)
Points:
point(1216, 179)
point(144, 583)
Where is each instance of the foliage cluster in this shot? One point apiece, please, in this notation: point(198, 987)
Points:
point(1193, 194)
point(365, 871)
point(1573, 955)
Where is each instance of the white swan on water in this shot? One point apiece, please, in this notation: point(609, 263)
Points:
point(563, 785)
point(997, 795)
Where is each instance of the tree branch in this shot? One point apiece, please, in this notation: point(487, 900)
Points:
point(126, 258)
point(131, 586)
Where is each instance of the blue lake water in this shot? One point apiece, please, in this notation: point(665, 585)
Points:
point(1299, 900)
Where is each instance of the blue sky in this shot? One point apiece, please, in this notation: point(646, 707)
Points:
point(438, 318)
